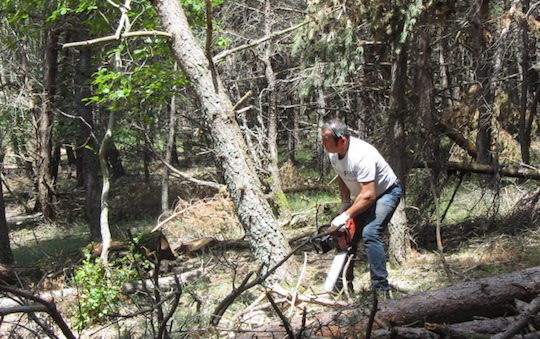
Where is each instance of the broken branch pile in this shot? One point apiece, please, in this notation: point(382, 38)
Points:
point(448, 312)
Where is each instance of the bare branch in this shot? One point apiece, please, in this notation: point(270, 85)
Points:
point(22, 309)
point(246, 284)
point(114, 37)
point(219, 57)
point(242, 100)
point(50, 308)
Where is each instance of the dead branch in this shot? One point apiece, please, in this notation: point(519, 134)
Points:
point(164, 282)
point(246, 284)
point(372, 313)
point(281, 316)
point(523, 320)
point(22, 309)
point(174, 170)
point(219, 57)
point(135, 34)
point(50, 308)
point(312, 299)
point(457, 137)
point(242, 100)
point(473, 167)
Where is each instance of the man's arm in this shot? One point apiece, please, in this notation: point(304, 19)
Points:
point(344, 192)
point(364, 200)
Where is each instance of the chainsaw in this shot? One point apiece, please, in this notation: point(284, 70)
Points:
point(341, 240)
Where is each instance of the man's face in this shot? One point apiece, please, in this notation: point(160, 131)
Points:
point(329, 141)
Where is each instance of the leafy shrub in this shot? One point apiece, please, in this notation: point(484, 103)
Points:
point(99, 289)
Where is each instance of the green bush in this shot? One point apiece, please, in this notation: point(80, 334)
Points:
point(99, 289)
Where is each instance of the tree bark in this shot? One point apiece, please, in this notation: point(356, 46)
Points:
point(425, 90)
point(6, 256)
point(88, 147)
point(104, 149)
point(399, 242)
point(45, 120)
point(277, 190)
point(165, 206)
point(267, 242)
point(525, 123)
point(482, 71)
point(115, 161)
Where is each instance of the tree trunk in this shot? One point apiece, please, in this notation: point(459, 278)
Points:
point(267, 242)
point(46, 193)
point(6, 256)
point(482, 71)
point(399, 242)
point(424, 83)
point(55, 163)
point(524, 129)
point(165, 208)
point(88, 147)
point(277, 191)
point(104, 217)
point(321, 118)
point(115, 161)
point(293, 140)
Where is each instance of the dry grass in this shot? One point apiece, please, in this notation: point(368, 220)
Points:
point(198, 218)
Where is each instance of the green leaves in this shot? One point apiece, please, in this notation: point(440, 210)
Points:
point(99, 289)
point(65, 7)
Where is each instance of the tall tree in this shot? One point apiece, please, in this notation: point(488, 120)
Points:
point(267, 242)
point(482, 69)
point(6, 256)
point(275, 183)
point(87, 143)
point(45, 118)
point(526, 111)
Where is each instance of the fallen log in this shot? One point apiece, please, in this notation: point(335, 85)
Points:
point(198, 246)
point(473, 167)
point(489, 297)
point(128, 288)
point(164, 282)
point(11, 274)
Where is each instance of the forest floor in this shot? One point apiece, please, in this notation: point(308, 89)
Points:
point(480, 241)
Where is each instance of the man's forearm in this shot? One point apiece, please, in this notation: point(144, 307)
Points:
point(344, 192)
point(359, 206)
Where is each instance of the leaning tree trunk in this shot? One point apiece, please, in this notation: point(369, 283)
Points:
point(6, 256)
point(399, 242)
point(267, 242)
point(46, 194)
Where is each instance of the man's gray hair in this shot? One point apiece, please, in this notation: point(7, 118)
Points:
point(339, 128)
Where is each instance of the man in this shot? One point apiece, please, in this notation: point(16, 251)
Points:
point(365, 175)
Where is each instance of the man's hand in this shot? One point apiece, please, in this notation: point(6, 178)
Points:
point(339, 221)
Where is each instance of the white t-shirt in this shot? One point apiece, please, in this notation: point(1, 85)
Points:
point(363, 163)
